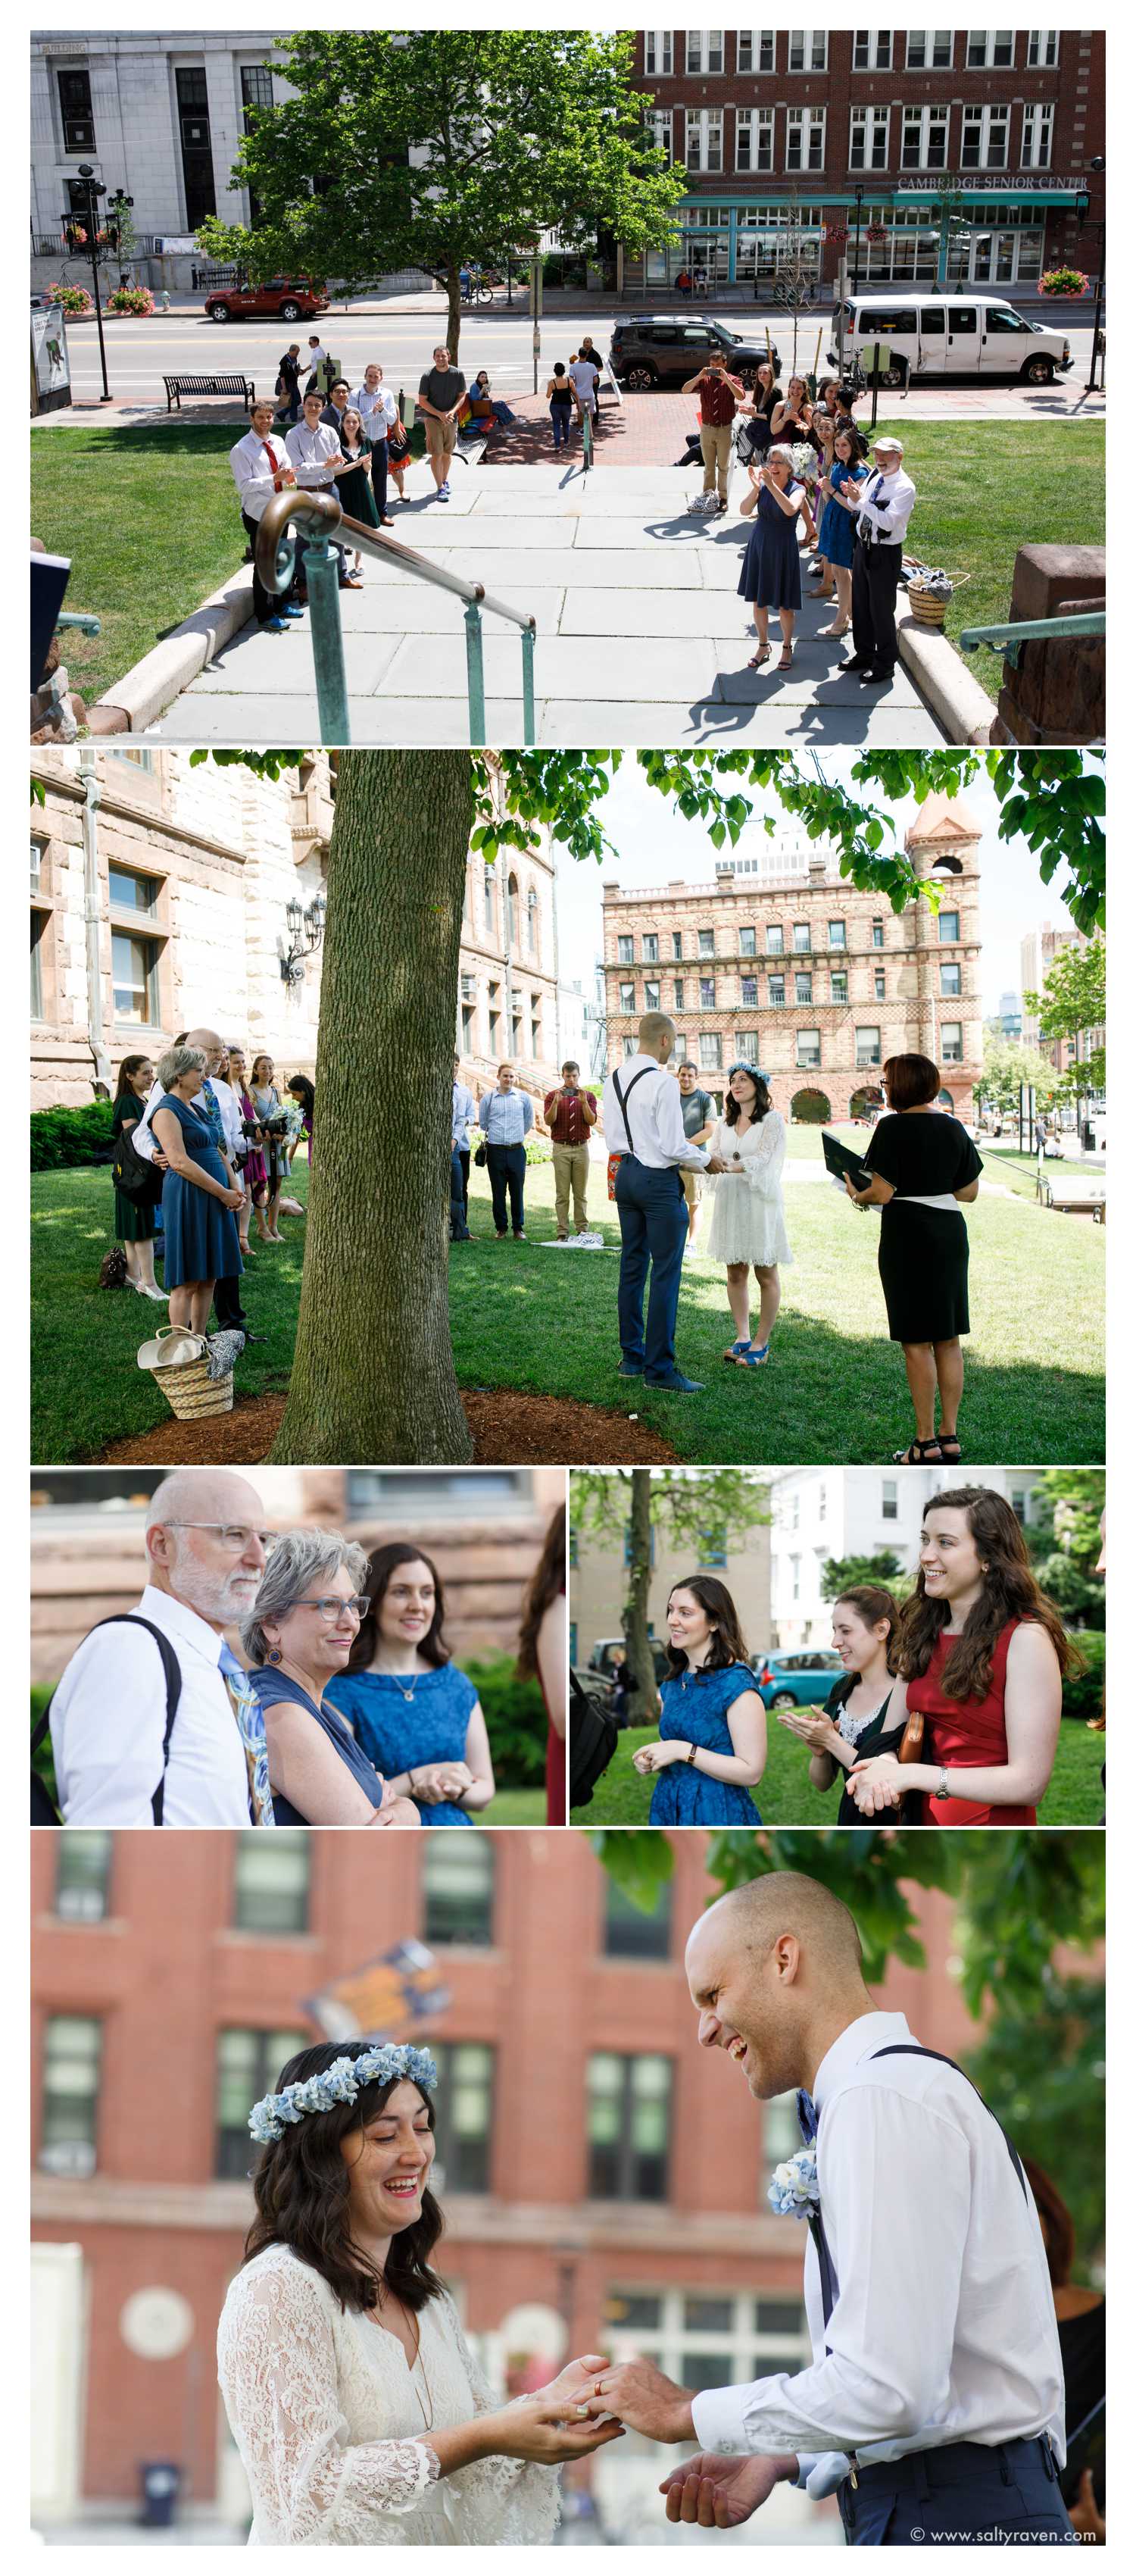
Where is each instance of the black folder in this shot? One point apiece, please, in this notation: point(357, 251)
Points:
point(840, 1160)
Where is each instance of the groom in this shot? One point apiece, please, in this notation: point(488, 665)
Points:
point(934, 2404)
point(643, 1124)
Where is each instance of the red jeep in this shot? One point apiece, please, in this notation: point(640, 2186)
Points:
point(292, 299)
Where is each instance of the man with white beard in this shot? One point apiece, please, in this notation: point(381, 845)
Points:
point(153, 1722)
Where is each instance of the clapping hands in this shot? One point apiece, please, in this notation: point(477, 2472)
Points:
point(877, 1785)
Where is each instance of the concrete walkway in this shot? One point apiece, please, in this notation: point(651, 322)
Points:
point(641, 637)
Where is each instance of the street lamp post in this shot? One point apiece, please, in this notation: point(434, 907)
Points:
point(1083, 203)
point(93, 190)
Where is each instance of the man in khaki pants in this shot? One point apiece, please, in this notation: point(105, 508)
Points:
point(719, 395)
point(571, 1116)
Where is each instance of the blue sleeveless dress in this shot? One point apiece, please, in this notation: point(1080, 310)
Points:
point(399, 1734)
point(695, 1712)
point(202, 1241)
point(271, 1687)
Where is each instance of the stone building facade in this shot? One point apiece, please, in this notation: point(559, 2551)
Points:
point(780, 962)
point(508, 970)
point(778, 127)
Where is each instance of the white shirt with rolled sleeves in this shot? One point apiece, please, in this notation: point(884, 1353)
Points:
point(142, 1136)
point(252, 474)
point(465, 1110)
point(885, 504)
point(108, 1719)
point(943, 2329)
point(309, 451)
point(655, 1112)
point(378, 410)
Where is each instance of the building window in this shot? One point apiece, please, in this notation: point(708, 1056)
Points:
point(1037, 141)
point(776, 992)
point(676, 943)
point(463, 2109)
point(256, 91)
point(705, 943)
point(868, 1046)
point(72, 2055)
point(650, 948)
point(82, 1876)
point(802, 938)
point(749, 992)
point(659, 50)
point(1042, 50)
point(990, 48)
point(651, 995)
point(923, 138)
point(715, 2340)
point(130, 893)
point(948, 926)
point(704, 49)
point(660, 127)
point(630, 1048)
point(709, 1051)
point(880, 994)
point(703, 138)
point(629, 2105)
point(747, 943)
point(804, 138)
point(712, 1552)
point(270, 1882)
point(839, 984)
point(950, 976)
point(249, 2064)
point(877, 934)
point(756, 49)
point(533, 911)
point(985, 138)
point(950, 1041)
point(134, 979)
point(627, 997)
point(871, 52)
point(774, 940)
point(836, 935)
point(625, 949)
point(868, 139)
point(808, 1049)
point(512, 898)
point(457, 1890)
point(808, 49)
point(930, 49)
point(679, 990)
point(803, 988)
point(629, 1933)
point(196, 147)
point(706, 992)
point(889, 1499)
point(76, 112)
point(39, 922)
point(746, 1043)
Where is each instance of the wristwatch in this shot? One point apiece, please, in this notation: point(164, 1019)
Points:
point(941, 1790)
point(691, 1754)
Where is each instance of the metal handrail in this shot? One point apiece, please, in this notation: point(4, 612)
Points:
point(1031, 630)
point(275, 563)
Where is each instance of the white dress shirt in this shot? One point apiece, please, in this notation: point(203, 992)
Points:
point(248, 462)
point(884, 505)
point(142, 1136)
point(378, 410)
point(655, 1113)
point(108, 1719)
point(465, 1108)
point(943, 2329)
point(309, 451)
point(505, 1117)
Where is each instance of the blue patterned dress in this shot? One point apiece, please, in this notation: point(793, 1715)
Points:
point(202, 1241)
point(695, 1708)
point(398, 1734)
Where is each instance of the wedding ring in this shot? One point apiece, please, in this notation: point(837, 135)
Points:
point(598, 2390)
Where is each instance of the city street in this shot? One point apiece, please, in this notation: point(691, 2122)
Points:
point(401, 336)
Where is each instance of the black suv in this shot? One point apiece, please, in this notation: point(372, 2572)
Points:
point(665, 348)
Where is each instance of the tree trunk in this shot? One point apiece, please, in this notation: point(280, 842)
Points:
point(454, 320)
point(639, 1655)
point(373, 1375)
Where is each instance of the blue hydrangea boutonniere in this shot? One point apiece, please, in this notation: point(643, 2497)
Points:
point(794, 2191)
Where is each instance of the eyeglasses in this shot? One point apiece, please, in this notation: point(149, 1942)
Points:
point(331, 1606)
point(232, 1536)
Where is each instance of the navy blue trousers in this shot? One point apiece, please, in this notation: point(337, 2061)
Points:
point(653, 1224)
point(506, 1165)
point(964, 2492)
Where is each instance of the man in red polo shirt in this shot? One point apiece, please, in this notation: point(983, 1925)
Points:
point(571, 1115)
point(719, 395)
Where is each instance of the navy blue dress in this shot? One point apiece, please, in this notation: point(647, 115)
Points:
point(202, 1241)
point(836, 535)
point(271, 1687)
point(694, 1712)
point(400, 1733)
point(771, 564)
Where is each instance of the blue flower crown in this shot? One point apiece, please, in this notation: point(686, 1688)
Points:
point(343, 2081)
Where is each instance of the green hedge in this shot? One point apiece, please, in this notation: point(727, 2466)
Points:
point(61, 1138)
point(515, 1718)
point(1084, 1692)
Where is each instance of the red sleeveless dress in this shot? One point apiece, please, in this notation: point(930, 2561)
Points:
point(966, 1735)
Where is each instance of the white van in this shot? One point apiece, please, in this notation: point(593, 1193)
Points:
point(952, 335)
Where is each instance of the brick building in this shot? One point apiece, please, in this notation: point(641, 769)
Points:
point(778, 128)
point(484, 1527)
point(603, 2180)
point(597, 1588)
point(781, 962)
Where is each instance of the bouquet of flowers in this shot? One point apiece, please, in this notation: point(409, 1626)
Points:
point(794, 2191)
point(806, 462)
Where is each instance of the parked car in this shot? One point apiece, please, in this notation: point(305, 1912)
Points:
point(291, 299)
point(796, 1681)
point(953, 335)
point(600, 1659)
point(665, 348)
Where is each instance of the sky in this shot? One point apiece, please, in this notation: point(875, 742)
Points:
point(655, 843)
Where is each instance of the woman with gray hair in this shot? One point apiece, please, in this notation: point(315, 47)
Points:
point(298, 1636)
point(199, 1193)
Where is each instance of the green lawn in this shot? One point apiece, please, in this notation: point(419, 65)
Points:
point(515, 1807)
point(786, 1796)
point(833, 1391)
point(149, 519)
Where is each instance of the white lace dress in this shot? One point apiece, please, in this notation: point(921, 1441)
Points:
point(748, 1223)
point(324, 2410)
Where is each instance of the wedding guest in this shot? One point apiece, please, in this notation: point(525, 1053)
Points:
point(792, 417)
point(353, 481)
point(153, 1722)
point(836, 534)
point(378, 412)
point(854, 1720)
point(357, 2408)
point(590, 357)
point(463, 1114)
point(215, 1104)
point(302, 1094)
point(288, 383)
point(269, 1108)
point(136, 1210)
point(315, 455)
point(699, 1118)
point(1081, 2335)
point(758, 409)
point(570, 1115)
point(398, 454)
point(441, 393)
point(199, 1194)
point(711, 1746)
point(559, 396)
point(414, 1713)
point(298, 1635)
point(980, 1658)
point(821, 570)
point(543, 1651)
point(933, 2404)
point(251, 1168)
point(505, 1117)
point(585, 375)
point(884, 506)
point(747, 1229)
point(317, 367)
point(483, 405)
point(652, 1149)
point(924, 1168)
point(771, 566)
point(718, 398)
point(260, 467)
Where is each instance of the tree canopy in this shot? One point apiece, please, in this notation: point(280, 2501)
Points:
point(1006, 1065)
point(1070, 1003)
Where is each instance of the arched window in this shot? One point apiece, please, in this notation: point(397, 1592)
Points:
point(534, 922)
point(512, 895)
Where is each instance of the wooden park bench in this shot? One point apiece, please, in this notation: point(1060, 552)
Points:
point(176, 386)
point(1083, 1195)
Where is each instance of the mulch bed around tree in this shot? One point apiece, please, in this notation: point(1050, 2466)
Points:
point(509, 1430)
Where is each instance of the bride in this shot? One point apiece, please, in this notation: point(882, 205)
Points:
point(355, 2403)
point(748, 1225)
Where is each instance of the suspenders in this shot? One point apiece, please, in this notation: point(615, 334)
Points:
point(618, 1090)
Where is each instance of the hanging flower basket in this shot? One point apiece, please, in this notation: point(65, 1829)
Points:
point(1063, 281)
point(131, 299)
point(74, 299)
point(838, 233)
point(875, 232)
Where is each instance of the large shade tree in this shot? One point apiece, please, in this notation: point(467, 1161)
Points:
point(436, 146)
point(373, 1374)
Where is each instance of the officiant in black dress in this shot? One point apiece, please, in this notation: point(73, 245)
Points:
point(923, 1166)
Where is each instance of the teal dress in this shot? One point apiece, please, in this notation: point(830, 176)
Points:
point(403, 1722)
point(695, 1711)
point(836, 535)
point(202, 1241)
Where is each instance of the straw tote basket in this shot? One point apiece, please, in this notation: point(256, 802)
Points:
point(929, 607)
point(179, 1363)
